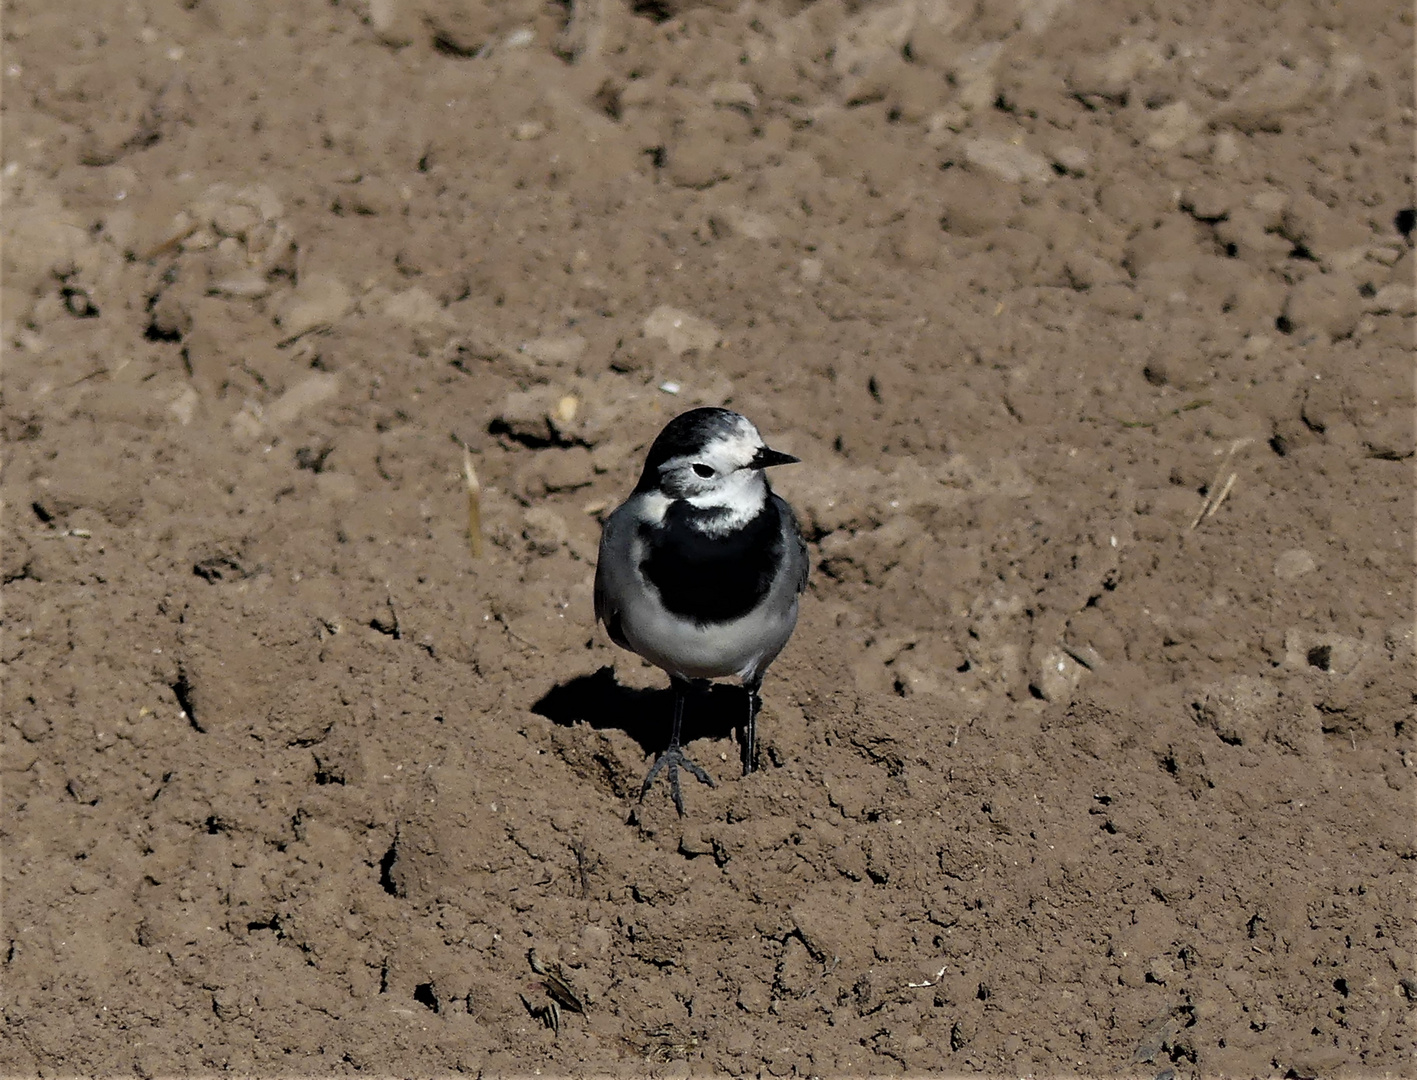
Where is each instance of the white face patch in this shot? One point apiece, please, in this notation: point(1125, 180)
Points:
point(739, 497)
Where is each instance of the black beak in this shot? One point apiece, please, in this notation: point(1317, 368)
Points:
point(766, 458)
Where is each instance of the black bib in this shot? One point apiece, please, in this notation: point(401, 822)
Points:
point(706, 578)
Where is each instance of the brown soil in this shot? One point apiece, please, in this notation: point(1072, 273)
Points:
point(1092, 323)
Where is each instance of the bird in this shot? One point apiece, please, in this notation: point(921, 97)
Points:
point(701, 569)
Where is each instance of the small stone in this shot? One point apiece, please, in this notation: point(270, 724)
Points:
point(975, 81)
point(246, 423)
point(1085, 270)
point(1238, 710)
point(1262, 102)
point(1395, 298)
point(1113, 75)
point(1160, 970)
point(394, 22)
point(565, 470)
point(736, 221)
point(753, 998)
point(734, 95)
point(1325, 234)
point(595, 941)
point(304, 396)
point(1327, 304)
point(544, 530)
point(417, 307)
point(1226, 149)
point(1208, 202)
point(1389, 436)
point(680, 331)
point(556, 350)
point(698, 159)
point(566, 409)
point(184, 406)
point(171, 314)
point(1073, 159)
point(1172, 125)
point(319, 300)
point(870, 39)
point(1294, 564)
point(1055, 675)
point(973, 205)
point(1007, 161)
point(242, 285)
point(460, 28)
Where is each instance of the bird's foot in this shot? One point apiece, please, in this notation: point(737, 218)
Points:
point(671, 761)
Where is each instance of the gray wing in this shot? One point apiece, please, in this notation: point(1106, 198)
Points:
point(613, 559)
point(797, 561)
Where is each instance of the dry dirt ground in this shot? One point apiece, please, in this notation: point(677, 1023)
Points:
point(1092, 324)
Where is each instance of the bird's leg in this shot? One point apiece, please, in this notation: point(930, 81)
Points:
point(750, 732)
point(673, 757)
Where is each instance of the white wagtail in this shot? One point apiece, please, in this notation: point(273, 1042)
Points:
point(701, 568)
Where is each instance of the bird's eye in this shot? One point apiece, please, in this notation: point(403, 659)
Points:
point(703, 470)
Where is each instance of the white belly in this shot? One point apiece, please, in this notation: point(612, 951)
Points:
point(738, 648)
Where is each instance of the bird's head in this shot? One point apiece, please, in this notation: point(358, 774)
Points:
point(712, 459)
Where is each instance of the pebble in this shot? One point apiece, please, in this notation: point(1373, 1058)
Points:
point(735, 221)
point(1055, 674)
point(461, 28)
point(1262, 101)
point(680, 331)
point(242, 285)
point(1324, 233)
point(565, 470)
point(1237, 710)
point(1327, 304)
point(1111, 76)
point(872, 38)
point(734, 95)
point(1396, 298)
point(183, 407)
point(753, 997)
point(544, 530)
point(394, 22)
point(83, 480)
point(698, 159)
point(418, 308)
point(1010, 162)
point(1294, 564)
point(1074, 159)
point(1087, 271)
point(975, 81)
point(311, 392)
point(1174, 124)
point(1225, 151)
point(555, 350)
point(972, 205)
point(319, 300)
point(1208, 201)
point(934, 41)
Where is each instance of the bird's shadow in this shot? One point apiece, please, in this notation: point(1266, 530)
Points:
point(711, 711)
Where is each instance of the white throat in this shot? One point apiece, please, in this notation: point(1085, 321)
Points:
point(737, 500)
